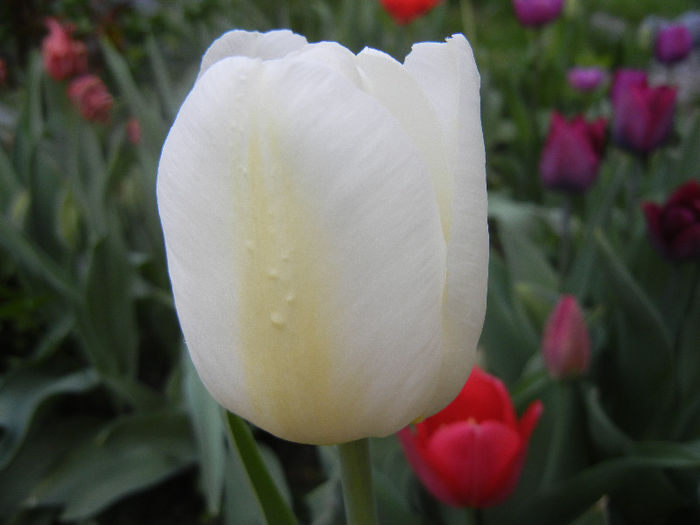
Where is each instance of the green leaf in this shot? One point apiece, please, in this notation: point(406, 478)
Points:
point(207, 421)
point(23, 391)
point(128, 456)
point(272, 503)
point(643, 344)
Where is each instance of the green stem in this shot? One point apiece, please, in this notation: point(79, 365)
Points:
point(272, 504)
point(356, 473)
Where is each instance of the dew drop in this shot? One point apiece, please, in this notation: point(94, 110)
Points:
point(289, 297)
point(273, 273)
point(277, 319)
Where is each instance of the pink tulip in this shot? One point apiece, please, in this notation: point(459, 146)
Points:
point(89, 94)
point(566, 345)
point(585, 78)
point(537, 12)
point(63, 57)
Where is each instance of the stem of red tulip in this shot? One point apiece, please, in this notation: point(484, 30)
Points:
point(356, 473)
point(565, 236)
point(476, 516)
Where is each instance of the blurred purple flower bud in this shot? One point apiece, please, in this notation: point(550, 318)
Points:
point(585, 78)
point(673, 43)
point(537, 12)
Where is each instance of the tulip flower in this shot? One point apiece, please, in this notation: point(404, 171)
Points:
point(571, 153)
point(642, 115)
point(674, 227)
point(535, 13)
point(585, 78)
point(133, 131)
point(673, 43)
point(3, 71)
point(324, 216)
point(566, 345)
point(89, 94)
point(63, 57)
point(405, 11)
point(624, 79)
point(472, 453)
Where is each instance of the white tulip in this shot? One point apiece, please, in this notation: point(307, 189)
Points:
point(324, 216)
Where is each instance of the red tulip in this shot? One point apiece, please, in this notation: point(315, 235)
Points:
point(566, 345)
point(673, 43)
point(405, 11)
point(89, 94)
point(472, 452)
point(537, 12)
point(3, 71)
point(571, 153)
point(63, 57)
point(642, 115)
point(674, 227)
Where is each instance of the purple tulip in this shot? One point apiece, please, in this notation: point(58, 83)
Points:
point(674, 227)
point(533, 13)
point(571, 154)
point(642, 115)
point(673, 43)
point(585, 78)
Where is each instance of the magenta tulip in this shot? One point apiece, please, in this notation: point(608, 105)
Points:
point(566, 345)
point(572, 153)
point(534, 13)
point(585, 78)
point(673, 43)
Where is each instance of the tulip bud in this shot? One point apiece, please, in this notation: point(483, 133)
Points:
point(571, 153)
point(673, 43)
point(405, 11)
point(3, 71)
point(133, 131)
point(642, 115)
point(585, 78)
point(89, 94)
point(534, 13)
point(324, 216)
point(63, 57)
point(674, 228)
point(566, 345)
point(472, 452)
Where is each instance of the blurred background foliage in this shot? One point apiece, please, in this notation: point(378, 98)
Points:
point(102, 417)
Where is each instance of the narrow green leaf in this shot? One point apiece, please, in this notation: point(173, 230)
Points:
point(273, 505)
point(21, 394)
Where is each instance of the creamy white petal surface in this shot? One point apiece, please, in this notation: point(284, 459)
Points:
point(314, 210)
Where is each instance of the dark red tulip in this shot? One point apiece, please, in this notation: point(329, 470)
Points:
point(472, 452)
point(642, 115)
point(572, 152)
point(405, 11)
point(674, 227)
point(533, 13)
point(673, 43)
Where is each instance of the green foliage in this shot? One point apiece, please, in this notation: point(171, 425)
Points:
point(100, 406)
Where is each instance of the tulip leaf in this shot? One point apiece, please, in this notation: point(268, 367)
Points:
point(128, 456)
point(605, 433)
point(21, 394)
point(273, 505)
point(643, 344)
point(208, 425)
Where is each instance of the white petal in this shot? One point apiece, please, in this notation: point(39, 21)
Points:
point(265, 46)
point(305, 250)
point(447, 72)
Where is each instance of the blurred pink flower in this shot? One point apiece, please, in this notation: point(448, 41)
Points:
point(537, 12)
point(673, 43)
point(566, 345)
point(63, 57)
point(674, 227)
point(3, 71)
point(585, 78)
point(572, 152)
point(133, 130)
point(472, 452)
point(642, 115)
point(405, 11)
point(89, 94)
